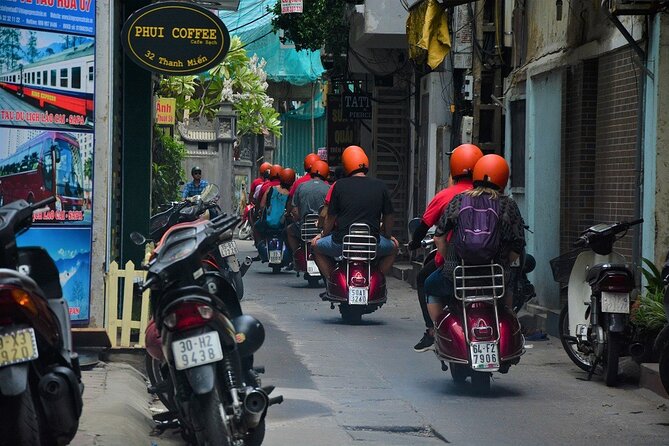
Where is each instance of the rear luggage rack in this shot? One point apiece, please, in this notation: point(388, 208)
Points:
point(359, 244)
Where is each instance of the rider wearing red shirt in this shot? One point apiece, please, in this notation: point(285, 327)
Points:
point(263, 174)
point(463, 159)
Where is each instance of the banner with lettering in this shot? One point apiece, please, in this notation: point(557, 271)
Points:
point(70, 16)
point(291, 6)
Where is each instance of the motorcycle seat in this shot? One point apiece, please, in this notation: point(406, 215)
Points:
point(596, 271)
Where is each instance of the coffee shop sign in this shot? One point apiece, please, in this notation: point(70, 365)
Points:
point(357, 106)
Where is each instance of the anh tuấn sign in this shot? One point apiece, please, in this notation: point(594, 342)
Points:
point(165, 111)
point(175, 38)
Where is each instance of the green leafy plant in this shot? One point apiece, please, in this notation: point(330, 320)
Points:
point(648, 313)
point(167, 171)
point(322, 23)
point(239, 79)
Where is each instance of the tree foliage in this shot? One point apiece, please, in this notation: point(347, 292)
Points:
point(167, 171)
point(321, 24)
point(239, 79)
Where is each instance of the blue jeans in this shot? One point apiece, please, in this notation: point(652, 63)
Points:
point(330, 248)
point(438, 288)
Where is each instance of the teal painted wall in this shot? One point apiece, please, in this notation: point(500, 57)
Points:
point(295, 142)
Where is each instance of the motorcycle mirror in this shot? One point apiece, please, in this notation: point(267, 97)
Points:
point(413, 225)
point(210, 192)
point(137, 238)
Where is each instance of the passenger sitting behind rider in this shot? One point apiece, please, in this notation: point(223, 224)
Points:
point(356, 198)
point(491, 174)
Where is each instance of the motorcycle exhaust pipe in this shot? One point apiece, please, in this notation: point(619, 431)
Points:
point(637, 350)
point(246, 264)
point(255, 405)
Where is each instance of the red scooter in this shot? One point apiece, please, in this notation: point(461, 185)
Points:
point(476, 334)
point(245, 229)
point(302, 257)
point(356, 283)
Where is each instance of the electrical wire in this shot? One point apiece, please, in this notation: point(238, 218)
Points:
point(253, 41)
point(252, 21)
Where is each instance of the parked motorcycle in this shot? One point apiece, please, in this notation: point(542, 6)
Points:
point(523, 290)
point(476, 335)
point(303, 257)
point(40, 379)
point(204, 346)
point(662, 343)
point(356, 283)
point(594, 326)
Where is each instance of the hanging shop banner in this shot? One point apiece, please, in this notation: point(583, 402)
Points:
point(35, 163)
point(50, 83)
point(70, 249)
point(175, 38)
point(70, 16)
point(165, 111)
point(291, 6)
point(357, 105)
point(341, 131)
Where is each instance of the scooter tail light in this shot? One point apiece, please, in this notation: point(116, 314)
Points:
point(358, 279)
point(12, 299)
point(482, 333)
point(188, 315)
point(617, 283)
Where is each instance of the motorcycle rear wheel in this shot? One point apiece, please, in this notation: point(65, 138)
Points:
point(459, 373)
point(350, 315)
point(276, 269)
point(613, 347)
point(481, 382)
point(314, 282)
point(210, 427)
point(244, 231)
point(156, 377)
point(19, 423)
point(569, 346)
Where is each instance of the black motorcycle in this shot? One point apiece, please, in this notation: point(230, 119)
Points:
point(205, 347)
point(40, 379)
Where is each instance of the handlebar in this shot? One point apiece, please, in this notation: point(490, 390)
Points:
point(601, 231)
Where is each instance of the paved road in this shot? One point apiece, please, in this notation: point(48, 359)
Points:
point(350, 384)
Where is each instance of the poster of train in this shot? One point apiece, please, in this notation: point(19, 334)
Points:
point(36, 164)
point(70, 16)
point(70, 248)
point(47, 80)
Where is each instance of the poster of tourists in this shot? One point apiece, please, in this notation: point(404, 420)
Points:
point(70, 248)
point(47, 79)
point(36, 164)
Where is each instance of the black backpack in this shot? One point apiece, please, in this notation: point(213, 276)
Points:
point(476, 238)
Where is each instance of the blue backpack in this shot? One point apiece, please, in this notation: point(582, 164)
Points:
point(276, 209)
point(476, 238)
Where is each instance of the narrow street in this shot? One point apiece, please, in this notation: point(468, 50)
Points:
point(350, 384)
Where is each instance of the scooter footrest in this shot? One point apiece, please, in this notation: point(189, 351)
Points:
point(259, 369)
point(275, 400)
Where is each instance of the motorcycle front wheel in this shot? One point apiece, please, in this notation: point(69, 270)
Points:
point(569, 342)
point(244, 231)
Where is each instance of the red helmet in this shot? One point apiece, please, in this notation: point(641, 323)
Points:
point(354, 160)
point(274, 171)
point(264, 167)
point(320, 168)
point(492, 170)
point(287, 176)
point(463, 159)
point(309, 161)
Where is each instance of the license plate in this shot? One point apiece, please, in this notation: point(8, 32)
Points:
point(484, 355)
point(312, 268)
point(197, 350)
point(615, 302)
point(357, 296)
point(228, 249)
point(18, 346)
point(275, 257)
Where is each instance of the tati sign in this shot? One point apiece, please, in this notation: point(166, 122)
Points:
point(357, 106)
point(165, 111)
point(291, 6)
point(175, 38)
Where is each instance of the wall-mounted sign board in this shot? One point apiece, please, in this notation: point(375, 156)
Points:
point(175, 38)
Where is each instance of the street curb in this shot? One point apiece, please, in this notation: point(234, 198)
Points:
point(650, 379)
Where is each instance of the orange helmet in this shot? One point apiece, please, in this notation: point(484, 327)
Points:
point(264, 167)
point(492, 170)
point(287, 176)
point(274, 171)
point(309, 161)
point(320, 168)
point(354, 160)
point(463, 159)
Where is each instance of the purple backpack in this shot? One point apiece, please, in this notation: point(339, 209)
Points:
point(476, 238)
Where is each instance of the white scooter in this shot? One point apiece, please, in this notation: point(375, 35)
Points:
point(594, 326)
